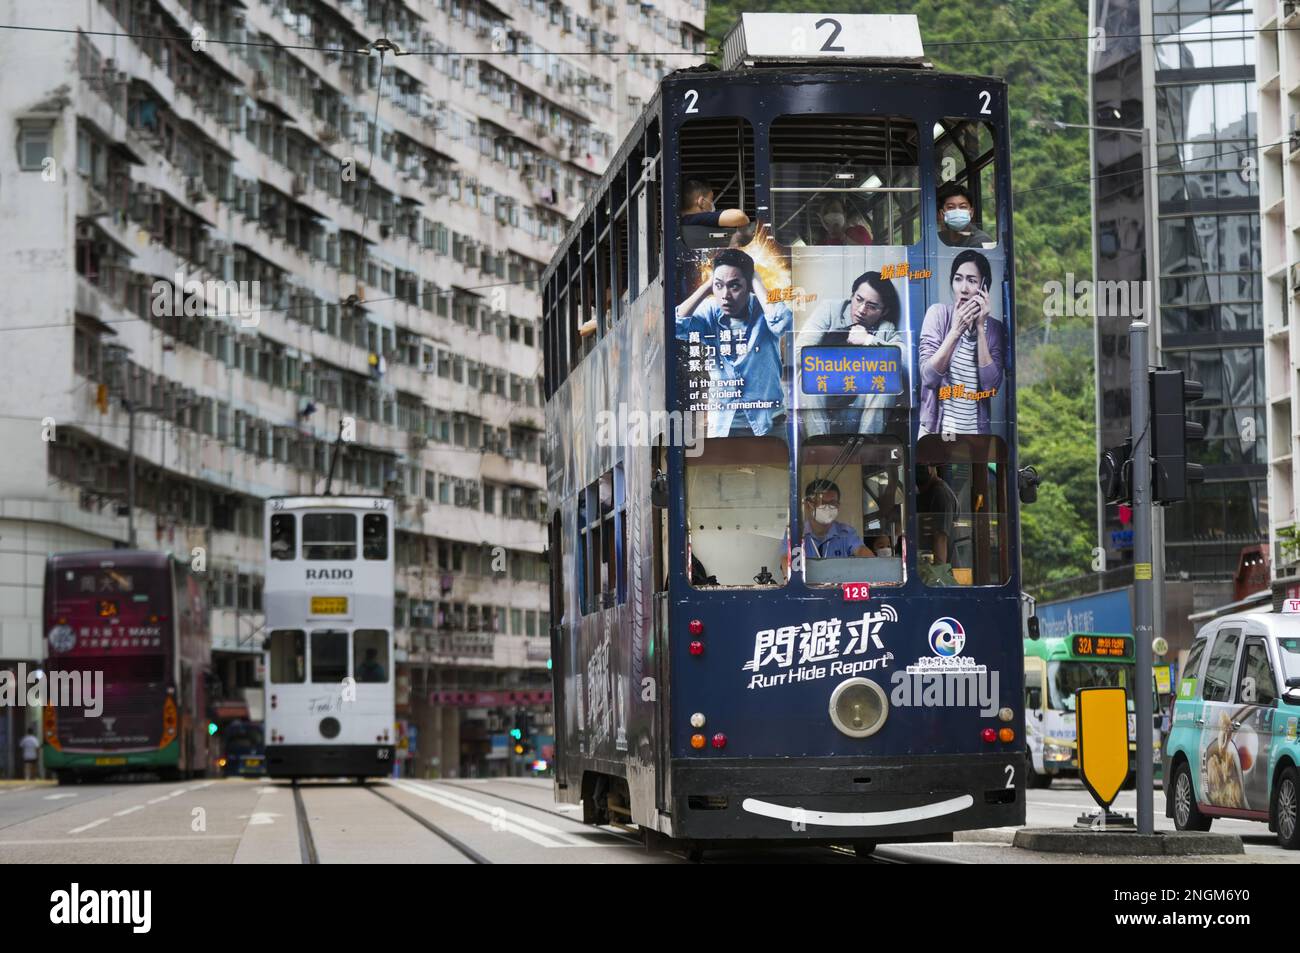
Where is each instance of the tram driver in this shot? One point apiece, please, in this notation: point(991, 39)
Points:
point(825, 537)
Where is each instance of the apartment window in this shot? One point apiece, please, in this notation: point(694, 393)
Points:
point(35, 144)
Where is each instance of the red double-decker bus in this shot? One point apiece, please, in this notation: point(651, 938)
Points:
point(140, 619)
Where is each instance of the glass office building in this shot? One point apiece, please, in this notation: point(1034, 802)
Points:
point(1185, 68)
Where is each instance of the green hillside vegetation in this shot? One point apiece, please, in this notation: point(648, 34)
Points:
point(1049, 174)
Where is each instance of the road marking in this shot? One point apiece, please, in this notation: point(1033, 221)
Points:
point(58, 797)
point(177, 793)
point(129, 810)
point(157, 838)
point(24, 787)
point(86, 827)
point(263, 817)
point(157, 800)
point(497, 818)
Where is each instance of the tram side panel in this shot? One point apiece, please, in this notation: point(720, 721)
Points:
point(608, 691)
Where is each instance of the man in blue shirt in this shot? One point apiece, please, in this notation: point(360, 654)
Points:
point(824, 536)
point(736, 338)
point(698, 208)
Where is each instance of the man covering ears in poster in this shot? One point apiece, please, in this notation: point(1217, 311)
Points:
point(961, 353)
point(735, 336)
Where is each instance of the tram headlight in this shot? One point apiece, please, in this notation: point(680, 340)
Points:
point(858, 707)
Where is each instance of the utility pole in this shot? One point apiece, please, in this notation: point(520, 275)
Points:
point(1143, 584)
point(130, 471)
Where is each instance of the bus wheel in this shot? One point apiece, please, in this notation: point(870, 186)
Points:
point(1286, 808)
point(1186, 815)
point(64, 777)
point(864, 848)
point(1032, 778)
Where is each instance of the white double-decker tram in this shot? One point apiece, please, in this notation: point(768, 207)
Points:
point(328, 600)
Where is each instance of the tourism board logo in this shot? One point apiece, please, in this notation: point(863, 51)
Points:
point(947, 637)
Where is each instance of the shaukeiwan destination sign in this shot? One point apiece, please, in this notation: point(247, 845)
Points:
point(850, 371)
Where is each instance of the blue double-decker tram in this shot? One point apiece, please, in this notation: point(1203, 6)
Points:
point(781, 442)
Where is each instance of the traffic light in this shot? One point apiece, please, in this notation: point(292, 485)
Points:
point(1171, 431)
point(212, 728)
point(1115, 473)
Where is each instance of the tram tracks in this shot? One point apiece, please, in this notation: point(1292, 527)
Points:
point(307, 843)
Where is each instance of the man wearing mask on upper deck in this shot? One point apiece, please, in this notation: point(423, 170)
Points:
point(957, 219)
point(961, 351)
point(869, 316)
point(735, 335)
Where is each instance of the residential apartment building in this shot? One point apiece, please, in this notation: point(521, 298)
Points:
point(1278, 83)
point(237, 230)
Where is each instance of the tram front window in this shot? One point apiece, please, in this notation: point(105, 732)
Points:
point(329, 655)
point(288, 656)
point(961, 509)
point(737, 511)
point(282, 536)
point(374, 536)
point(845, 180)
point(853, 518)
point(329, 536)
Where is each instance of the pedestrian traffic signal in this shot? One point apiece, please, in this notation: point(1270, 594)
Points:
point(1115, 473)
point(1171, 431)
point(212, 728)
point(516, 733)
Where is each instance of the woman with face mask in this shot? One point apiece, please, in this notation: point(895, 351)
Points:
point(869, 316)
point(835, 227)
point(961, 352)
point(957, 219)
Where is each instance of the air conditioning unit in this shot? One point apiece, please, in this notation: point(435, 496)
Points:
point(327, 133)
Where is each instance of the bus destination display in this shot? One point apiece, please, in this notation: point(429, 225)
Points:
point(1103, 646)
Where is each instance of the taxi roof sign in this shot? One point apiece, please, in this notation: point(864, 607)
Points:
point(1291, 606)
point(1102, 722)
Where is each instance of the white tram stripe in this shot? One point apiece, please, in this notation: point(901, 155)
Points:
point(904, 815)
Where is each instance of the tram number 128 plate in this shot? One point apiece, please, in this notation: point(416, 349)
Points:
point(856, 591)
point(329, 605)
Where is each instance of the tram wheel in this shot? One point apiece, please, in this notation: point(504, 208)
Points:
point(694, 852)
point(864, 848)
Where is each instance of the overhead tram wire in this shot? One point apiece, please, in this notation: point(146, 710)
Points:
point(189, 38)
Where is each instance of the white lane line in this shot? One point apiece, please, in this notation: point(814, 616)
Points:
point(497, 822)
point(21, 787)
point(569, 840)
point(177, 793)
point(157, 800)
point(499, 818)
point(156, 838)
point(86, 827)
point(129, 810)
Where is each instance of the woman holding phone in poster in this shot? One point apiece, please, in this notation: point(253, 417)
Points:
point(869, 316)
point(961, 353)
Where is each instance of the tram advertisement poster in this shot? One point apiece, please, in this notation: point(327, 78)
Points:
point(852, 339)
point(962, 346)
point(732, 323)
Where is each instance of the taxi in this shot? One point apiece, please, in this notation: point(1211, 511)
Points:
point(1233, 749)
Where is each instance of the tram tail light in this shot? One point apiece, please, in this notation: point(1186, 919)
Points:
point(1006, 734)
point(696, 627)
point(719, 740)
point(696, 647)
point(989, 735)
point(697, 742)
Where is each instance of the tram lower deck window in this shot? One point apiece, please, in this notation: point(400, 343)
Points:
point(329, 655)
point(288, 656)
point(329, 536)
point(961, 507)
point(852, 522)
point(738, 511)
